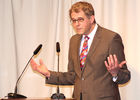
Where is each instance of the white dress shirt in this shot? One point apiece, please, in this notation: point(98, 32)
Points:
point(91, 36)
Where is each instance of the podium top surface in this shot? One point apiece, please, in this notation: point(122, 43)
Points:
point(37, 99)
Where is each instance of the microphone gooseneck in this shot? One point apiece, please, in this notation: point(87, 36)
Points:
point(58, 51)
point(15, 95)
point(58, 95)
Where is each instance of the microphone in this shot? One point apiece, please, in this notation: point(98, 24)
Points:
point(37, 49)
point(57, 47)
point(15, 95)
point(58, 95)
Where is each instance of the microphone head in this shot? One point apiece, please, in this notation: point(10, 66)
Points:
point(37, 49)
point(57, 47)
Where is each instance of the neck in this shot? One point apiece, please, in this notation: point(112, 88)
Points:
point(91, 29)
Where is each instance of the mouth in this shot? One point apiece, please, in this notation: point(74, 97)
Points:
point(78, 29)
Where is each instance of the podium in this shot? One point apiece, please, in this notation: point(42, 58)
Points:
point(38, 99)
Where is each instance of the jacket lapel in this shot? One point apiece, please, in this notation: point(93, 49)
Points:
point(78, 69)
point(94, 44)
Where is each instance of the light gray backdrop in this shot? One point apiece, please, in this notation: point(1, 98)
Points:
point(24, 24)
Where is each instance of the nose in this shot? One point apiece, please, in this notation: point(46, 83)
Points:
point(77, 23)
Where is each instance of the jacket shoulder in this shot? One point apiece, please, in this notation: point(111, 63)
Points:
point(107, 34)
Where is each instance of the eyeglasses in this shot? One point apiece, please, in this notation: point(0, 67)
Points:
point(73, 21)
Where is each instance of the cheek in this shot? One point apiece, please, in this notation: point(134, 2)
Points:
point(73, 26)
point(87, 26)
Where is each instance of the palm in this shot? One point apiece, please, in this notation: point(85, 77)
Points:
point(112, 65)
point(41, 68)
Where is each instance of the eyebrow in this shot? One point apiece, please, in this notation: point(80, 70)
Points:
point(77, 18)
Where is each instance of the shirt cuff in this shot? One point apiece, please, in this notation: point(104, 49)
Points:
point(115, 78)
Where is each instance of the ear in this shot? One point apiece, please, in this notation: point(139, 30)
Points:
point(92, 18)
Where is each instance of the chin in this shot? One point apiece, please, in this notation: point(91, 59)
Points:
point(79, 32)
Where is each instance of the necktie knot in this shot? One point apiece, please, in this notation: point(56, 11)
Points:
point(86, 37)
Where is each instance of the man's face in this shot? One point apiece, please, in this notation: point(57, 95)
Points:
point(82, 24)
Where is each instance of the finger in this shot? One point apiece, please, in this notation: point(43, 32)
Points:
point(112, 60)
point(116, 60)
point(33, 64)
point(122, 63)
point(106, 64)
point(41, 62)
point(109, 61)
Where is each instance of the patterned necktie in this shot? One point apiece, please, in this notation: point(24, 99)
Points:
point(84, 52)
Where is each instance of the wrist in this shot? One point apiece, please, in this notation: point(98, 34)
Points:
point(114, 75)
point(47, 74)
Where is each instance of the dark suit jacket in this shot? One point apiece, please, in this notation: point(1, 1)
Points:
point(94, 81)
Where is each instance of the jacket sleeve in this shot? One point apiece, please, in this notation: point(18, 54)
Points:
point(116, 47)
point(63, 78)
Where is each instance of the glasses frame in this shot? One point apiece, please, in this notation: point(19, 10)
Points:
point(79, 20)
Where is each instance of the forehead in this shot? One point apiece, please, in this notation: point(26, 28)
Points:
point(75, 15)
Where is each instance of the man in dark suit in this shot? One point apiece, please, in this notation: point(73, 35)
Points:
point(96, 59)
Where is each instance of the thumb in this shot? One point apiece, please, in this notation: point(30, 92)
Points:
point(122, 63)
point(41, 61)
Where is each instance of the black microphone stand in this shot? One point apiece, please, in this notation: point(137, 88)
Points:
point(58, 95)
point(15, 95)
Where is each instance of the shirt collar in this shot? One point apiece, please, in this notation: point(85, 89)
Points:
point(91, 35)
